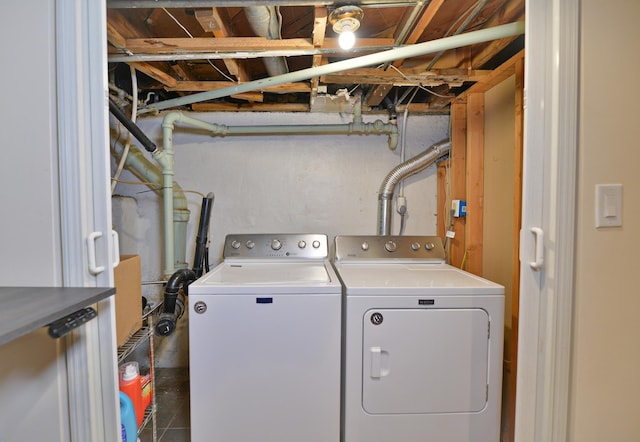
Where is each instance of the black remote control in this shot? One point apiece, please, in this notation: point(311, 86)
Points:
point(62, 326)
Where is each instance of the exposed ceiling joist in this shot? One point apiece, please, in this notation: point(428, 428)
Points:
point(132, 4)
point(192, 53)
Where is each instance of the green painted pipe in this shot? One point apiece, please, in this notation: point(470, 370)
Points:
point(179, 213)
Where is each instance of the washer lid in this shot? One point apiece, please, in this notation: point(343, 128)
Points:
point(268, 277)
point(408, 278)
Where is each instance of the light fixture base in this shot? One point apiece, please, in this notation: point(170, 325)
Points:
point(346, 17)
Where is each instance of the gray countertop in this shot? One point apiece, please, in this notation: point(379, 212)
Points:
point(25, 309)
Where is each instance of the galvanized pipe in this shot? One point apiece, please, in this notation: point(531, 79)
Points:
point(456, 41)
point(399, 173)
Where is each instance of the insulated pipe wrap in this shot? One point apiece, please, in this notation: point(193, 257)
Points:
point(399, 173)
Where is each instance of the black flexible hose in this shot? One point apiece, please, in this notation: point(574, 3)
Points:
point(132, 127)
point(200, 258)
point(167, 322)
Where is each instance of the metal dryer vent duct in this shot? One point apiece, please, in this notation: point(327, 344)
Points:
point(399, 173)
point(266, 22)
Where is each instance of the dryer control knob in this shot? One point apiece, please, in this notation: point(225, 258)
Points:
point(276, 244)
point(415, 246)
point(235, 244)
point(429, 246)
point(250, 244)
point(316, 244)
point(365, 246)
point(302, 244)
point(390, 246)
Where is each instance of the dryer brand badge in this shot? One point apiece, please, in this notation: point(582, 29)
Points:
point(376, 318)
point(200, 307)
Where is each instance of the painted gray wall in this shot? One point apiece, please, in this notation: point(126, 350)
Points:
point(269, 184)
point(33, 383)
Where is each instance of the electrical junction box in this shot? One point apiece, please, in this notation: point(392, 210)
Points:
point(459, 208)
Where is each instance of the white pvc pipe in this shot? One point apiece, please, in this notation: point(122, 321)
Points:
point(165, 156)
point(434, 46)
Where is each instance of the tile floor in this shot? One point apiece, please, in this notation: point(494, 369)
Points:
point(172, 399)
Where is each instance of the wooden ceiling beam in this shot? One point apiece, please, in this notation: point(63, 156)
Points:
point(319, 31)
point(425, 20)
point(510, 12)
point(206, 44)
point(155, 73)
point(243, 45)
point(215, 21)
point(378, 94)
point(201, 86)
point(497, 76)
point(452, 77)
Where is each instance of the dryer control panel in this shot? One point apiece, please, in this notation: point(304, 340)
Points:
point(402, 248)
point(280, 245)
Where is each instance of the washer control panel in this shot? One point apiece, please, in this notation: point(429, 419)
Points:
point(282, 245)
point(406, 248)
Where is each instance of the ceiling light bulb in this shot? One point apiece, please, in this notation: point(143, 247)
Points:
point(347, 39)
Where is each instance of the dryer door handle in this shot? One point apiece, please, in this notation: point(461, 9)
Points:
point(376, 362)
point(379, 362)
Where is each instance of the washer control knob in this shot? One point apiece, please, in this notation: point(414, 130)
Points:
point(276, 244)
point(415, 246)
point(365, 246)
point(235, 244)
point(429, 246)
point(250, 244)
point(316, 244)
point(302, 244)
point(390, 246)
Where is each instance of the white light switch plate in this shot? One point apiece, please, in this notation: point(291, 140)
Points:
point(608, 205)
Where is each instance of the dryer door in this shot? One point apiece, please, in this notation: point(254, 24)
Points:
point(425, 361)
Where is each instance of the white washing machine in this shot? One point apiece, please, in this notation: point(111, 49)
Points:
point(264, 342)
point(422, 349)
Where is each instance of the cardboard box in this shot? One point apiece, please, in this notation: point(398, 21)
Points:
point(128, 284)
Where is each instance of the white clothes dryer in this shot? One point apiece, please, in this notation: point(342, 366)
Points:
point(422, 344)
point(264, 341)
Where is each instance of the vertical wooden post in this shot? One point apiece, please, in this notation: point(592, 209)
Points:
point(511, 367)
point(442, 212)
point(475, 184)
point(458, 178)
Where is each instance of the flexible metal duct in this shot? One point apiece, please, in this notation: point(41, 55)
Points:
point(265, 22)
point(399, 173)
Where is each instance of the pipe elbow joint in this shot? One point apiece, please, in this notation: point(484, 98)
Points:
point(393, 139)
point(170, 119)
